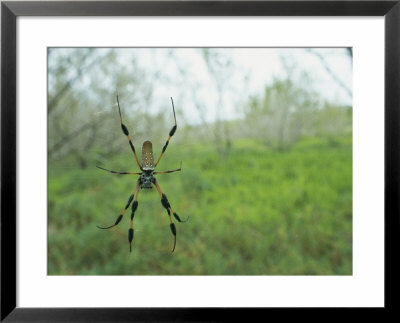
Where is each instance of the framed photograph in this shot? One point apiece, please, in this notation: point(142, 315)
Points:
point(179, 160)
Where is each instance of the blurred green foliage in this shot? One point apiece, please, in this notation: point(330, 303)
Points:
point(256, 212)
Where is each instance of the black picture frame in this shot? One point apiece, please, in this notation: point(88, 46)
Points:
point(11, 10)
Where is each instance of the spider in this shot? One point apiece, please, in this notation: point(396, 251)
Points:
point(146, 179)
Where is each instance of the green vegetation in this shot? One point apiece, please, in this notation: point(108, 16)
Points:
point(255, 211)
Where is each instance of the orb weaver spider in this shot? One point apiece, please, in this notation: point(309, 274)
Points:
point(146, 179)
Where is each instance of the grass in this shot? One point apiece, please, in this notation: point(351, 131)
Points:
point(256, 212)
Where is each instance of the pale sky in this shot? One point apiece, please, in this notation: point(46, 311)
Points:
point(261, 65)
point(251, 70)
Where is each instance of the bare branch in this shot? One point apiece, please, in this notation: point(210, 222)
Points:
point(331, 73)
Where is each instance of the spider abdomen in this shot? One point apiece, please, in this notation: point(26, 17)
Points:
point(147, 156)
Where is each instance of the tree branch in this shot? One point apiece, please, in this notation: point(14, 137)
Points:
point(331, 73)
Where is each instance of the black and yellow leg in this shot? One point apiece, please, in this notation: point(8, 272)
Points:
point(169, 171)
point(126, 133)
point(165, 203)
point(176, 216)
point(124, 210)
point(171, 133)
point(118, 172)
point(131, 231)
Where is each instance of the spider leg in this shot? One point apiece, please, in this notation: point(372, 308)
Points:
point(167, 206)
point(126, 207)
point(169, 171)
point(171, 133)
point(134, 208)
point(117, 172)
point(126, 133)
